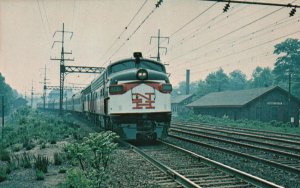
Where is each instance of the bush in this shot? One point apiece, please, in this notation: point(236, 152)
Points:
point(43, 146)
point(93, 156)
point(28, 144)
point(3, 174)
point(58, 158)
point(76, 179)
point(39, 175)
point(17, 147)
point(41, 163)
point(4, 155)
point(25, 160)
point(62, 171)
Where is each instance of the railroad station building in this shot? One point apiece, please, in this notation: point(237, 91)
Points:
point(178, 103)
point(261, 104)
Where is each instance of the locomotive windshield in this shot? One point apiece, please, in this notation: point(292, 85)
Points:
point(125, 65)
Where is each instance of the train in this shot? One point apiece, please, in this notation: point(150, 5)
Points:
point(131, 97)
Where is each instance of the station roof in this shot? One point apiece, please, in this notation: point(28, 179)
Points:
point(180, 98)
point(232, 98)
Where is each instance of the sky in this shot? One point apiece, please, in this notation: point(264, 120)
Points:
point(201, 37)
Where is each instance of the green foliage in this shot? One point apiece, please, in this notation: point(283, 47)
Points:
point(9, 95)
point(3, 174)
point(28, 144)
point(262, 77)
point(62, 171)
point(4, 155)
point(58, 158)
point(41, 163)
point(93, 156)
point(76, 179)
point(217, 81)
point(35, 126)
point(237, 80)
point(25, 160)
point(39, 175)
point(288, 64)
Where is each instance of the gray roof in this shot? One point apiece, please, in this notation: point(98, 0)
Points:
point(230, 98)
point(180, 98)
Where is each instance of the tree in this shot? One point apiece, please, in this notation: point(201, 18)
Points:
point(182, 88)
point(262, 77)
point(8, 93)
point(217, 81)
point(287, 65)
point(202, 88)
point(237, 80)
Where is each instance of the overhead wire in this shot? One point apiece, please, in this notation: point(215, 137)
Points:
point(49, 26)
point(132, 34)
point(228, 43)
point(45, 30)
point(210, 26)
point(227, 34)
point(198, 27)
point(73, 17)
point(186, 24)
point(252, 47)
point(125, 29)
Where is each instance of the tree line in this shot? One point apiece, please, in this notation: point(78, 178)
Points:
point(9, 94)
point(286, 72)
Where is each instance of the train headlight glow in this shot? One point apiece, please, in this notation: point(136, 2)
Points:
point(142, 74)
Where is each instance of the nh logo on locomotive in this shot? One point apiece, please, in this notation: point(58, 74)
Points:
point(142, 101)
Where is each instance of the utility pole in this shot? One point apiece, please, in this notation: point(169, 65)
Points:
point(2, 112)
point(31, 93)
point(187, 89)
point(2, 130)
point(289, 99)
point(158, 37)
point(44, 87)
point(62, 64)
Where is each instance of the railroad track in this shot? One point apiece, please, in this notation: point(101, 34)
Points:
point(252, 132)
point(273, 134)
point(279, 159)
point(189, 169)
point(279, 143)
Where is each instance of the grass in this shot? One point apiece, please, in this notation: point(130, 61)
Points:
point(41, 163)
point(244, 123)
point(39, 175)
point(26, 129)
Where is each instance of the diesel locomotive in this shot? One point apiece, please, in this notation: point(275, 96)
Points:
point(131, 97)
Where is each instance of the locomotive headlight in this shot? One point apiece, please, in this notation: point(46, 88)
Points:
point(142, 74)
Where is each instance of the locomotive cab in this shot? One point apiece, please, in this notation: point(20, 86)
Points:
point(139, 105)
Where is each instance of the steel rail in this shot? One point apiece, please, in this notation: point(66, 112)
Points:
point(240, 174)
point(254, 131)
point(265, 161)
point(187, 131)
point(172, 173)
point(195, 128)
point(253, 136)
point(261, 132)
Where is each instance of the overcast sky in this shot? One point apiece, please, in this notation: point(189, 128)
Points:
point(202, 37)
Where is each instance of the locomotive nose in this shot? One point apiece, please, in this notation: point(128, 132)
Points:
point(142, 74)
